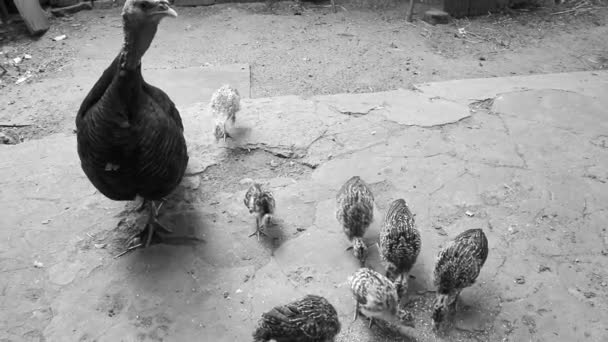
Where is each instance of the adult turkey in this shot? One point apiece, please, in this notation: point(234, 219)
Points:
point(130, 135)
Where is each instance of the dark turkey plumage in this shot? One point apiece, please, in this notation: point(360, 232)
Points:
point(310, 319)
point(129, 133)
point(399, 244)
point(458, 266)
point(355, 212)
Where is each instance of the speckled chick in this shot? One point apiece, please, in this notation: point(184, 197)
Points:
point(310, 319)
point(261, 203)
point(225, 102)
point(376, 298)
point(399, 244)
point(458, 266)
point(355, 212)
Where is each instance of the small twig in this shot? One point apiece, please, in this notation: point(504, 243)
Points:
point(564, 12)
point(423, 292)
point(128, 250)
point(15, 125)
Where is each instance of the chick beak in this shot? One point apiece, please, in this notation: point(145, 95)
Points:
point(163, 8)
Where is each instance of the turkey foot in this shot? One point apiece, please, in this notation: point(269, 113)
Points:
point(154, 232)
point(146, 202)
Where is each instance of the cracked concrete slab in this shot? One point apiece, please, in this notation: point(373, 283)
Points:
point(405, 107)
point(527, 166)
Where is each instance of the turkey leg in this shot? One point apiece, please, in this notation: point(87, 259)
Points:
point(155, 232)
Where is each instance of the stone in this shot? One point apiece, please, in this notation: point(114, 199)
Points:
point(9, 138)
point(434, 17)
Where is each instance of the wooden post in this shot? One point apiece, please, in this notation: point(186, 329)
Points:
point(410, 11)
point(33, 15)
point(3, 12)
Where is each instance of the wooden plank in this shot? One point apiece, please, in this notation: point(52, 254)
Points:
point(33, 15)
point(193, 2)
point(457, 8)
point(482, 7)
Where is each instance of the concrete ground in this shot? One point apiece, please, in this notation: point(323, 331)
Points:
point(524, 158)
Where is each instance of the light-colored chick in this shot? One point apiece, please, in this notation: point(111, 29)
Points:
point(225, 102)
point(355, 212)
point(376, 298)
point(261, 203)
point(458, 266)
point(399, 244)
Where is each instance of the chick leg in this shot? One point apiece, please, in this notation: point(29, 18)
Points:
point(356, 311)
point(454, 305)
point(258, 229)
point(333, 5)
point(371, 322)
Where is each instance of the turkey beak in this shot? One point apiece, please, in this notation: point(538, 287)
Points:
point(164, 9)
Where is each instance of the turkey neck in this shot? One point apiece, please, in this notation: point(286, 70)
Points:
point(137, 41)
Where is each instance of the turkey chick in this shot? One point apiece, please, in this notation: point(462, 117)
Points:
point(261, 203)
point(355, 212)
point(376, 297)
point(225, 102)
point(458, 265)
point(309, 319)
point(399, 244)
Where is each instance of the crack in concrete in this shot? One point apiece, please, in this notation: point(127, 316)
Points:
point(337, 156)
point(354, 114)
point(199, 172)
point(585, 213)
point(321, 136)
point(283, 152)
point(504, 123)
point(521, 156)
point(498, 268)
point(484, 162)
point(440, 125)
point(594, 178)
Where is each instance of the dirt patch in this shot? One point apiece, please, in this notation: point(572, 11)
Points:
point(362, 48)
point(251, 165)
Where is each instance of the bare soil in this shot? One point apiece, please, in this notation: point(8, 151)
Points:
point(362, 48)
